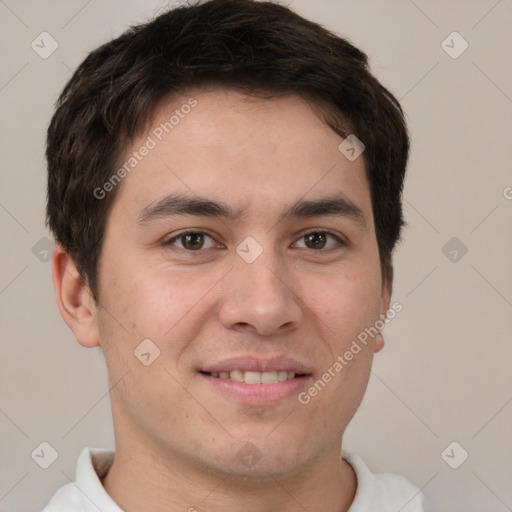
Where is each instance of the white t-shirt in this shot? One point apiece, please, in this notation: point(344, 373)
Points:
point(384, 492)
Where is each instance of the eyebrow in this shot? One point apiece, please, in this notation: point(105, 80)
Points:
point(179, 204)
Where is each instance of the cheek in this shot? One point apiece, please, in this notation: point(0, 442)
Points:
point(348, 304)
point(346, 307)
point(158, 304)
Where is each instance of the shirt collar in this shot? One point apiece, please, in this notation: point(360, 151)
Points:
point(93, 464)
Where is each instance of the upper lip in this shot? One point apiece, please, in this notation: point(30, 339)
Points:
point(255, 364)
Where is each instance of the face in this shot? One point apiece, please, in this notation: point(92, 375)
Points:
point(265, 267)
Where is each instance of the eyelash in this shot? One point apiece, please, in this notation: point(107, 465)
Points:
point(170, 241)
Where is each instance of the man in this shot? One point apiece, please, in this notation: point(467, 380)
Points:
point(225, 193)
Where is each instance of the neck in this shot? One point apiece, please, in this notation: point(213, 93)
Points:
point(142, 478)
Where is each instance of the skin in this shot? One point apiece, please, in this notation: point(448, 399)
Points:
point(177, 438)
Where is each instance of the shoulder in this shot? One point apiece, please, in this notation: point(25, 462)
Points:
point(382, 492)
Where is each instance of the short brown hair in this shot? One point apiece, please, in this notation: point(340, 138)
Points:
point(259, 47)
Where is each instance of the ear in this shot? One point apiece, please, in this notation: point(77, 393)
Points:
point(74, 298)
point(385, 300)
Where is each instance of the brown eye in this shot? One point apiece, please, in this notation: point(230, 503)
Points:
point(191, 241)
point(319, 240)
point(315, 240)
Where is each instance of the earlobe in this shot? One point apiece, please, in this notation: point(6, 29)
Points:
point(378, 343)
point(74, 298)
point(384, 307)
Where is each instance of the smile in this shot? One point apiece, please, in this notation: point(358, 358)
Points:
point(252, 377)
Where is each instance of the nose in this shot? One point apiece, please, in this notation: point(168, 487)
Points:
point(260, 296)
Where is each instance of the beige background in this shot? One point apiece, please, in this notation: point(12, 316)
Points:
point(444, 374)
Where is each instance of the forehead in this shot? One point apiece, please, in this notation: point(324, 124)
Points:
point(249, 152)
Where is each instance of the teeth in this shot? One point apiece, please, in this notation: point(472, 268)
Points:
point(268, 377)
point(237, 375)
point(250, 377)
point(282, 375)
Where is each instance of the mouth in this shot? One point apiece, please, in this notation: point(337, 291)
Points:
point(254, 377)
point(255, 381)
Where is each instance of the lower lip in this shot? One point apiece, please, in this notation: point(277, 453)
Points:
point(258, 393)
